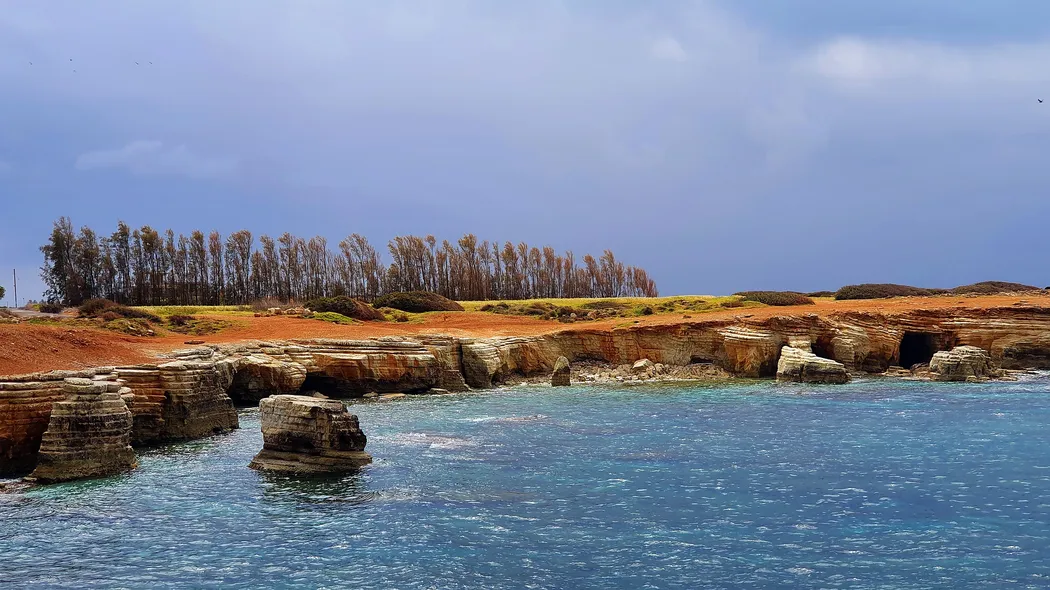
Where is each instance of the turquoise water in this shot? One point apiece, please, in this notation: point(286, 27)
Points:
point(876, 484)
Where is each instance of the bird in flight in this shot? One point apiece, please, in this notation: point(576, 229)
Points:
point(1039, 99)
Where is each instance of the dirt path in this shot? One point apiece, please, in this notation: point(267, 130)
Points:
point(26, 348)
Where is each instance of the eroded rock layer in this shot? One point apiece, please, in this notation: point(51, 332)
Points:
point(189, 394)
point(88, 435)
point(303, 434)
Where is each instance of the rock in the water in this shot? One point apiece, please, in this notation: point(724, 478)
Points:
point(560, 377)
point(643, 366)
point(805, 367)
point(308, 435)
point(89, 434)
point(962, 363)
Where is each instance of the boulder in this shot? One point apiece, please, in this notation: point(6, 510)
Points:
point(963, 363)
point(89, 434)
point(805, 367)
point(560, 377)
point(308, 435)
point(643, 366)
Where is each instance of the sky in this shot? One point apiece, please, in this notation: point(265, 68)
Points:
point(721, 145)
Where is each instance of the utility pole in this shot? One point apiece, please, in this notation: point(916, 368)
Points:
point(14, 274)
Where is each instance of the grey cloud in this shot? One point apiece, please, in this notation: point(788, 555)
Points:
point(153, 158)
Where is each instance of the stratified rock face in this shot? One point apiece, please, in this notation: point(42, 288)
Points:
point(560, 376)
point(309, 435)
point(196, 404)
point(256, 377)
point(25, 409)
point(89, 434)
point(805, 367)
point(962, 363)
point(449, 355)
point(352, 368)
point(490, 361)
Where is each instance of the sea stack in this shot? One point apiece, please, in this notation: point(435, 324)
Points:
point(304, 434)
point(89, 434)
point(560, 377)
point(963, 363)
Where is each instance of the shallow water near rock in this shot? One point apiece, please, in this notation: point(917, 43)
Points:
point(868, 485)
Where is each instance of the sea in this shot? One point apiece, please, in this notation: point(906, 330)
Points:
point(875, 484)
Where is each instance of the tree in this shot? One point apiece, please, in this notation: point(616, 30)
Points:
point(147, 266)
point(2, 291)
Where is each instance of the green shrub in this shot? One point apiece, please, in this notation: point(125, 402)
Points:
point(821, 294)
point(345, 306)
point(883, 291)
point(993, 287)
point(417, 302)
point(333, 317)
point(401, 317)
point(93, 308)
point(2, 292)
point(50, 307)
point(775, 297)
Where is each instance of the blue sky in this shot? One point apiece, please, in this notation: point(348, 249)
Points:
point(798, 144)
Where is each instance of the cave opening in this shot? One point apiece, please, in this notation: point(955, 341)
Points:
point(917, 348)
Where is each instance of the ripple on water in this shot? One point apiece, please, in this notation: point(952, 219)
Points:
point(874, 484)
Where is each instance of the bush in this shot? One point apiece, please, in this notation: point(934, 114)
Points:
point(180, 319)
point(883, 291)
point(50, 307)
point(345, 306)
point(109, 316)
point(821, 294)
point(93, 308)
point(993, 287)
point(333, 317)
point(417, 302)
point(775, 297)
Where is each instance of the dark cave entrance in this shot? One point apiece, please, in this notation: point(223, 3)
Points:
point(917, 348)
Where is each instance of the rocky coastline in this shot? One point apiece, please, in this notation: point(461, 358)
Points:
point(194, 392)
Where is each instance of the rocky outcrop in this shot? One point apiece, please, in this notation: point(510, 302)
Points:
point(188, 395)
point(561, 375)
point(88, 435)
point(25, 409)
point(256, 377)
point(963, 363)
point(643, 366)
point(308, 435)
point(805, 367)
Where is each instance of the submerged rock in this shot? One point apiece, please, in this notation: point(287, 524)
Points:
point(560, 377)
point(805, 367)
point(89, 434)
point(963, 363)
point(308, 435)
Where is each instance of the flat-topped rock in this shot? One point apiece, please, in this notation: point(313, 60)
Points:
point(963, 363)
point(88, 435)
point(303, 434)
point(805, 367)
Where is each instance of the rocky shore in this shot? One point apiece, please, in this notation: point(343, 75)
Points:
point(193, 392)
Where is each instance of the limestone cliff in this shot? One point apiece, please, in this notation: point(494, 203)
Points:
point(189, 394)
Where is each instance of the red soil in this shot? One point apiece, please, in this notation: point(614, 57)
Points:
point(26, 348)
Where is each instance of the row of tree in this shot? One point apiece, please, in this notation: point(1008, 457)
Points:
point(147, 267)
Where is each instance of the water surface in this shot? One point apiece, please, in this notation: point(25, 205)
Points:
point(877, 484)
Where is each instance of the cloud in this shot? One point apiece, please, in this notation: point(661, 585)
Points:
point(153, 158)
point(668, 48)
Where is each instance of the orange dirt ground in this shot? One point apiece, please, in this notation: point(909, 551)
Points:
point(26, 348)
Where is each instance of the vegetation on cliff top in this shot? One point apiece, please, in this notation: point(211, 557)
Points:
point(886, 290)
point(345, 306)
point(778, 298)
point(417, 302)
point(145, 266)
